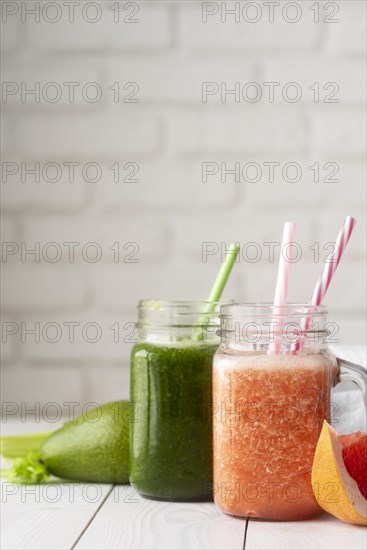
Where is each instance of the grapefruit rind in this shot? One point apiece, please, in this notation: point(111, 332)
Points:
point(334, 489)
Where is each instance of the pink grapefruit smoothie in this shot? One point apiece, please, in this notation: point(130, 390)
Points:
point(268, 412)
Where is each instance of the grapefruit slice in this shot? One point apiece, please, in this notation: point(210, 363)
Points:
point(333, 485)
point(355, 458)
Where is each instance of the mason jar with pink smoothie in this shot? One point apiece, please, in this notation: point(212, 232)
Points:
point(269, 404)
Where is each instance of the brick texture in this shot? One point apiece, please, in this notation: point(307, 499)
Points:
point(154, 164)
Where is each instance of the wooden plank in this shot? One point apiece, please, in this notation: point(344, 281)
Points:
point(49, 516)
point(127, 520)
point(322, 533)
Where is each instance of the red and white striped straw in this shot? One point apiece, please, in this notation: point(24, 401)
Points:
point(281, 289)
point(331, 264)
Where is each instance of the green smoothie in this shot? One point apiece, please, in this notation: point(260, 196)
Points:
point(171, 435)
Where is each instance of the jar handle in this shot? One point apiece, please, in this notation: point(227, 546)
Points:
point(354, 373)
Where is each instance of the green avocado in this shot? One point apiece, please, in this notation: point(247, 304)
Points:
point(93, 447)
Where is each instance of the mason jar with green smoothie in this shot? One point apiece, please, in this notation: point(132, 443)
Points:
point(171, 391)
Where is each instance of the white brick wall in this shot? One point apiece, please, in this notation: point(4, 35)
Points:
point(348, 37)
point(36, 287)
point(59, 136)
point(340, 132)
point(153, 32)
point(236, 132)
point(245, 37)
point(162, 142)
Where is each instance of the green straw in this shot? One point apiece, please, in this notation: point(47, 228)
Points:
point(218, 286)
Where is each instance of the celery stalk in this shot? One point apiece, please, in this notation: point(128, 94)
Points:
point(27, 469)
point(23, 451)
point(17, 446)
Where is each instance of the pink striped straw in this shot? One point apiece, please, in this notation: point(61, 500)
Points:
point(281, 289)
point(324, 281)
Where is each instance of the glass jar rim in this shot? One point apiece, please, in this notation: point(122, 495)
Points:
point(266, 309)
point(164, 314)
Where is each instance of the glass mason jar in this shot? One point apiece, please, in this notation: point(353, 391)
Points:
point(272, 382)
point(171, 389)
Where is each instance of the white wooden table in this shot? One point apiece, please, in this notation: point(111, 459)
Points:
point(101, 516)
point(81, 515)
